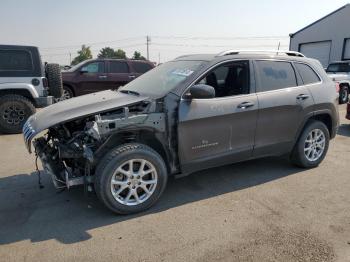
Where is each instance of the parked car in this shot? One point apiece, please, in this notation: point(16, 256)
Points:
point(348, 111)
point(101, 74)
point(190, 114)
point(339, 72)
point(25, 83)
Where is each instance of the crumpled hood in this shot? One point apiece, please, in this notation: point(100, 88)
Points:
point(338, 77)
point(74, 108)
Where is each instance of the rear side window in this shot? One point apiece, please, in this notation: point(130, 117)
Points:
point(141, 67)
point(307, 74)
point(15, 60)
point(275, 75)
point(118, 67)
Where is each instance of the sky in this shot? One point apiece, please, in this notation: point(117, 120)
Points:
point(60, 27)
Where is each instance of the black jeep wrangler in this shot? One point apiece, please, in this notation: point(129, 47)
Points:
point(193, 113)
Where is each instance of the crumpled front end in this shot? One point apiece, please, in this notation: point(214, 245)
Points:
point(69, 150)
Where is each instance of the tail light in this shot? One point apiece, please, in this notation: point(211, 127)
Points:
point(45, 82)
point(337, 87)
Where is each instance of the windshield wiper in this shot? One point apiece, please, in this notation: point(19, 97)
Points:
point(130, 92)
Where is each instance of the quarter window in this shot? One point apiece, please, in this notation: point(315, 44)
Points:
point(307, 74)
point(118, 67)
point(15, 60)
point(275, 75)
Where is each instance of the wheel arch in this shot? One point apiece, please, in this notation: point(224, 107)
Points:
point(145, 136)
point(22, 92)
point(70, 86)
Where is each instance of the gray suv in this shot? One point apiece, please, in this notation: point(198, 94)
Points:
point(190, 114)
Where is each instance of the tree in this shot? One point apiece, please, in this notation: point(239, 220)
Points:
point(106, 52)
point(137, 55)
point(120, 54)
point(83, 54)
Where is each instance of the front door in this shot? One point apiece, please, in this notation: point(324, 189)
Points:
point(91, 78)
point(220, 130)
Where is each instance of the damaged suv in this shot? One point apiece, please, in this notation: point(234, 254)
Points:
point(190, 114)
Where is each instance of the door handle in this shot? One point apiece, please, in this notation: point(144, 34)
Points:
point(132, 76)
point(302, 97)
point(102, 77)
point(245, 105)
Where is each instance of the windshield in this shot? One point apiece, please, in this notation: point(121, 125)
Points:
point(338, 67)
point(162, 79)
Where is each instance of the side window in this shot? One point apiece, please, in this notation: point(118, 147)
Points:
point(118, 67)
point(307, 74)
point(94, 67)
point(15, 60)
point(275, 75)
point(229, 79)
point(141, 67)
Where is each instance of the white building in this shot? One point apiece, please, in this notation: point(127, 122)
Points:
point(327, 39)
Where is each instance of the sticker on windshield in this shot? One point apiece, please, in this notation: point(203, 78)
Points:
point(182, 72)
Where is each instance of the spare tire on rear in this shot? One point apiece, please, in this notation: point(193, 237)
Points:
point(54, 77)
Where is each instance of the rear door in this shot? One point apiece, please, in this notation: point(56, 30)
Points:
point(119, 74)
point(140, 67)
point(282, 107)
point(91, 78)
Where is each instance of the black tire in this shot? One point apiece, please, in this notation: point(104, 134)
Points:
point(114, 159)
point(54, 78)
point(298, 157)
point(68, 91)
point(343, 95)
point(14, 112)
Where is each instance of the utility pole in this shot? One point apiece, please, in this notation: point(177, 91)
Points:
point(148, 41)
point(70, 58)
point(158, 58)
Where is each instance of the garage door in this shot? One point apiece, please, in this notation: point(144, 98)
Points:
point(317, 50)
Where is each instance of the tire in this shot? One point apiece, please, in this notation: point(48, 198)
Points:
point(14, 112)
point(67, 94)
point(119, 159)
point(343, 95)
point(303, 154)
point(54, 78)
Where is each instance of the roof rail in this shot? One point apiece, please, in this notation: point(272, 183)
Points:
point(276, 52)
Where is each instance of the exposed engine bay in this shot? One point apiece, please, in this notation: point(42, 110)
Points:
point(69, 151)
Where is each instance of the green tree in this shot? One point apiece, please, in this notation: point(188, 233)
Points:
point(120, 54)
point(137, 55)
point(83, 54)
point(106, 52)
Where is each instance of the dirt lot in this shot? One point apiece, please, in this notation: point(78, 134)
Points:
point(262, 210)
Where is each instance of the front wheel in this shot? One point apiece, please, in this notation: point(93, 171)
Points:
point(130, 178)
point(312, 145)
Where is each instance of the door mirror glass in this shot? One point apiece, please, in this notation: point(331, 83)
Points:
point(201, 91)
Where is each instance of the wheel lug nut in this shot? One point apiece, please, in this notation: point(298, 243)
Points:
point(132, 177)
point(133, 187)
point(139, 183)
point(129, 183)
point(138, 177)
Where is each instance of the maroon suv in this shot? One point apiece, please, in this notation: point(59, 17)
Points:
point(100, 74)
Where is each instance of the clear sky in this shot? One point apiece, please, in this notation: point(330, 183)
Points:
point(177, 27)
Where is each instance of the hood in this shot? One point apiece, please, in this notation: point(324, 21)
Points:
point(339, 76)
point(74, 108)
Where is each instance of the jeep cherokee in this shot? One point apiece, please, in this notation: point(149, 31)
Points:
point(189, 114)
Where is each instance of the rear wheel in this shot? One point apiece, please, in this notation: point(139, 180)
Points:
point(312, 145)
point(343, 95)
point(130, 178)
point(14, 111)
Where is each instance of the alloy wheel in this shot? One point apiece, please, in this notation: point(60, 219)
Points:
point(314, 145)
point(134, 181)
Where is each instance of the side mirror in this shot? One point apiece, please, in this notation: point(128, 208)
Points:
point(201, 91)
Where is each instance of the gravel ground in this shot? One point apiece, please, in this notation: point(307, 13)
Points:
point(261, 210)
